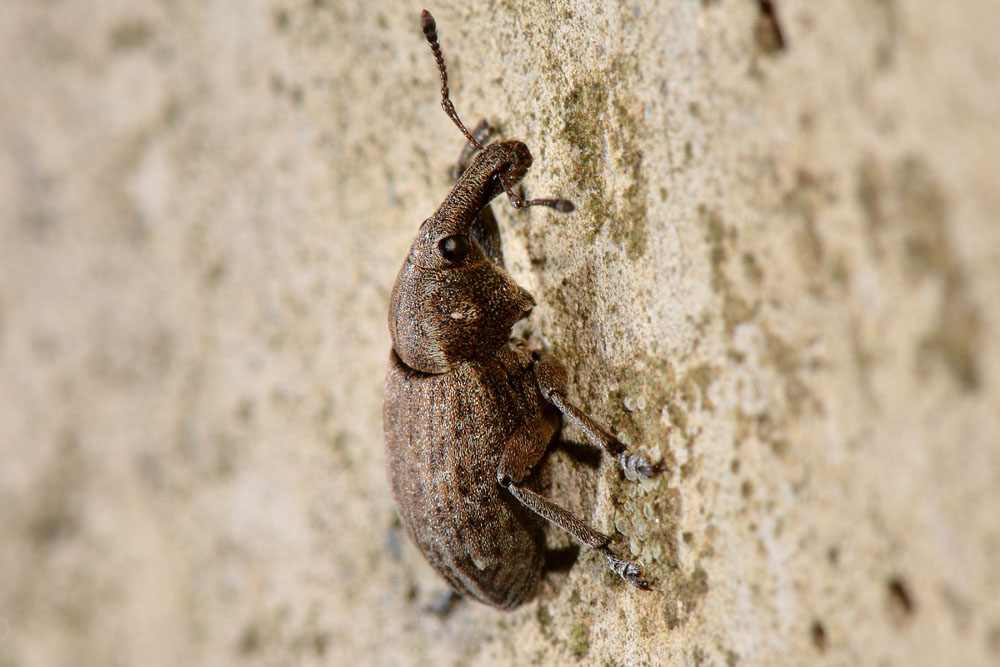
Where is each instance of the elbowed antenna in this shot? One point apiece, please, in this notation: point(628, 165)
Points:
point(429, 27)
point(561, 205)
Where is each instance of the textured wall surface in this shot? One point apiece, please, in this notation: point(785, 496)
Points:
point(783, 278)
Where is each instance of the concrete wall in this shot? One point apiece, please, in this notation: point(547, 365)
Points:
point(783, 278)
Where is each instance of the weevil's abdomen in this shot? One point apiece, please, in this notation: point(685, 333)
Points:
point(445, 434)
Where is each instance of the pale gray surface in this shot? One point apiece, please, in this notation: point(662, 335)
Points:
point(792, 259)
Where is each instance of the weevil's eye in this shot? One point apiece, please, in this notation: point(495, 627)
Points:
point(454, 248)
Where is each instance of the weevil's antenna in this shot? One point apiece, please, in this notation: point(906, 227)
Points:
point(561, 205)
point(429, 26)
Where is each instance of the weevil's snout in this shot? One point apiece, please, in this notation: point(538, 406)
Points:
point(511, 158)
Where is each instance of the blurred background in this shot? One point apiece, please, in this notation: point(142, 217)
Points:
point(782, 278)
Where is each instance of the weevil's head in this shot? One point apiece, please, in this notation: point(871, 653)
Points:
point(451, 304)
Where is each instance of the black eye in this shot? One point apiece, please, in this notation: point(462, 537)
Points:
point(454, 248)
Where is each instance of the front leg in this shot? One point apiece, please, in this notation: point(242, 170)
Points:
point(552, 381)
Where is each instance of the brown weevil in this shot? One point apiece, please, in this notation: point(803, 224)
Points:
point(470, 412)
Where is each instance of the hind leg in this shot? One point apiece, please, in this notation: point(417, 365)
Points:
point(628, 570)
point(522, 452)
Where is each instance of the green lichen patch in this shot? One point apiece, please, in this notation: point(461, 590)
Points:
point(685, 592)
point(579, 640)
point(955, 339)
point(735, 308)
point(923, 211)
point(907, 212)
point(603, 125)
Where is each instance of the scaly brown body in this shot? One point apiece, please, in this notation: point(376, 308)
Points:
point(468, 412)
point(445, 436)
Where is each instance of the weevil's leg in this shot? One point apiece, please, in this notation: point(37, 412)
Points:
point(522, 452)
point(486, 232)
point(552, 380)
point(628, 570)
point(525, 448)
point(482, 133)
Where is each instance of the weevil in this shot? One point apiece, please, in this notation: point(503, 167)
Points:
point(469, 411)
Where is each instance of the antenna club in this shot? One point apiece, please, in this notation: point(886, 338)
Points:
point(428, 25)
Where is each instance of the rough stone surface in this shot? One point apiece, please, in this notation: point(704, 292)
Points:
point(783, 277)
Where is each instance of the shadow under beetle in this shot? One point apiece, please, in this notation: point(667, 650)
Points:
point(469, 411)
